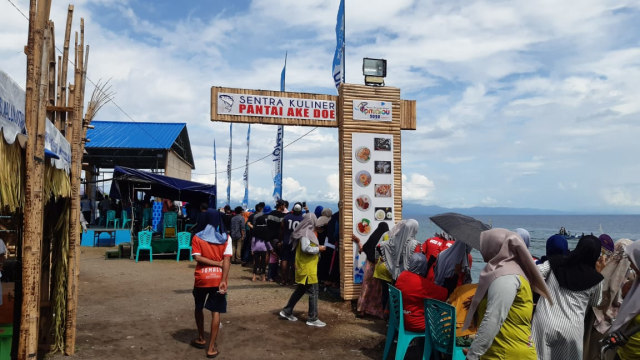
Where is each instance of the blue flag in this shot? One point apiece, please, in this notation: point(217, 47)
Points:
point(278, 150)
point(215, 171)
point(245, 177)
point(338, 58)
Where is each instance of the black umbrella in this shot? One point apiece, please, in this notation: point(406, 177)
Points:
point(461, 227)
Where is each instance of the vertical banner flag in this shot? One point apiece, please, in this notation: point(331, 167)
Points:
point(215, 172)
point(229, 166)
point(278, 152)
point(338, 58)
point(245, 177)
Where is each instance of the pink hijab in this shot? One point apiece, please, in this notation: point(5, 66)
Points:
point(505, 254)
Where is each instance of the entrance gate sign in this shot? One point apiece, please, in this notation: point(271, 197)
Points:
point(277, 107)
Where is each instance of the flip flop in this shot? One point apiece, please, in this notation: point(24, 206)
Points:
point(197, 345)
point(211, 356)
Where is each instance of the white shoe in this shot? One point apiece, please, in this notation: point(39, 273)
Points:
point(316, 323)
point(289, 317)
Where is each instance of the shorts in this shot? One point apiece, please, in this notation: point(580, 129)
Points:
point(210, 299)
point(288, 254)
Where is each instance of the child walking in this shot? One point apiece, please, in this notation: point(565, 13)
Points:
point(259, 249)
point(273, 266)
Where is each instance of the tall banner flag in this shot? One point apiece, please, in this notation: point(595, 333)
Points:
point(245, 177)
point(338, 58)
point(278, 152)
point(229, 166)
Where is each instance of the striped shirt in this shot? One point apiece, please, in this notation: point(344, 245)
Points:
point(558, 329)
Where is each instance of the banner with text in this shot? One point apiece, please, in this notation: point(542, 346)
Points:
point(372, 110)
point(277, 107)
point(372, 162)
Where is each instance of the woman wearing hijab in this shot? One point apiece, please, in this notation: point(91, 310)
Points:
point(324, 263)
point(599, 320)
point(629, 313)
point(402, 243)
point(575, 285)
point(307, 248)
point(369, 301)
point(504, 300)
point(556, 245)
point(412, 284)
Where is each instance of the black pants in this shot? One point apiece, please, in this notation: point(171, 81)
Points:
point(259, 262)
point(312, 289)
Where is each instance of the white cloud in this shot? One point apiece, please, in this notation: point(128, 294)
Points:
point(417, 187)
point(621, 197)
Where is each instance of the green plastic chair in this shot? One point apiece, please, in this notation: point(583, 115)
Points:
point(440, 330)
point(146, 217)
point(170, 221)
point(125, 219)
point(396, 325)
point(144, 243)
point(184, 243)
point(111, 217)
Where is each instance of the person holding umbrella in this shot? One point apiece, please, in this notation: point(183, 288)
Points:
point(503, 302)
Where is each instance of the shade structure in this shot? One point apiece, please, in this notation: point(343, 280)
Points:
point(127, 180)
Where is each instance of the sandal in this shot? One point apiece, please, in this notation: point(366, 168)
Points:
point(197, 345)
point(211, 356)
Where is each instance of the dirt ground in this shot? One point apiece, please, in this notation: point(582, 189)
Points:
point(144, 310)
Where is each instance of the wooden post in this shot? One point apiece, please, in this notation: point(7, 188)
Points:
point(77, 132)
point(63, 74)
point(35, 113)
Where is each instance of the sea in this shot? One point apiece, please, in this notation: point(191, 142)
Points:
point(541, 227)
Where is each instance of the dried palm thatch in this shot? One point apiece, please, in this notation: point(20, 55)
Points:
point(56, 183)
point(11, 175)
point(100, 96)
point(59, 261)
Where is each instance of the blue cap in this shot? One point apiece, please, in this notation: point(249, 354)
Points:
point(267, 209)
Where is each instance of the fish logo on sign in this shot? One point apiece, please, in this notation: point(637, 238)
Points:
point(227, 101)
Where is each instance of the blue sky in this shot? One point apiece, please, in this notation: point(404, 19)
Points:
point(520, 104)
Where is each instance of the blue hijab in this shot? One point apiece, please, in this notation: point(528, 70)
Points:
point(556, 245)
point(318, 211)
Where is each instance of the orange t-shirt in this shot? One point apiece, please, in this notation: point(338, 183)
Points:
point(205, 275)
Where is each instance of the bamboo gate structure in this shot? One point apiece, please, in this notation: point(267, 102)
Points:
point(403, 117)
point(49, 97)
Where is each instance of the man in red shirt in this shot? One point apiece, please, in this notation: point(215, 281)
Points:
point(210, 287)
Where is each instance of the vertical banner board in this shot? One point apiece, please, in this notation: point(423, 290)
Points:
point(373, 185)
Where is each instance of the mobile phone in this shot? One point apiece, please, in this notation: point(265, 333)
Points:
point(304, 204)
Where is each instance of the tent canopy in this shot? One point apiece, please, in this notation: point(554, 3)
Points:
point(126, 179)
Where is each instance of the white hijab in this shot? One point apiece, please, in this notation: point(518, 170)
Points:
point(306, 229)
point(631, 303)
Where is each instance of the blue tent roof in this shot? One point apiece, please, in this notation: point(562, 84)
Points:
point(159, 185)
point(133, 135)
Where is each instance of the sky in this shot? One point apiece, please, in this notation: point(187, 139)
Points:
point(519, 104)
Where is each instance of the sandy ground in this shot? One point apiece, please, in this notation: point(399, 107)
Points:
point(144, 310)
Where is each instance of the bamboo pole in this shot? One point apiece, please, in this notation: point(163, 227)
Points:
point(77, 131)
point(62, 116)
point(35, 112)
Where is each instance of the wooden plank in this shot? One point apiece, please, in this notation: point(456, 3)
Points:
point(35, 119)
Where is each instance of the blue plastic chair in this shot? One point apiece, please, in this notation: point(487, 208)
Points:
point(184, 243)
point(170, 221)
point(144, 243)
point(440, 329)
point(111, 217)
point(125, 219)
point(396, 325)
point(146, 217)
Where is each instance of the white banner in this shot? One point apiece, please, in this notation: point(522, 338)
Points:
point(272, 106)
point(372, 162)
point(12, 99)
point(372, 110)
point(55, 142)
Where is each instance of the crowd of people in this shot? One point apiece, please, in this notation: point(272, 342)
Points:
point(569, 304)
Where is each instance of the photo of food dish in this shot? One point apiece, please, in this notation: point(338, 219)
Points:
point(382, 190)
point(382, 144)
point(364, 227)
point(363, 154)
point(383, 213)
point(363, 178)
point(382, 167)
point(363, 202)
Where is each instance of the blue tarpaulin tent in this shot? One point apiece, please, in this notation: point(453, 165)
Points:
point(126, 179)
